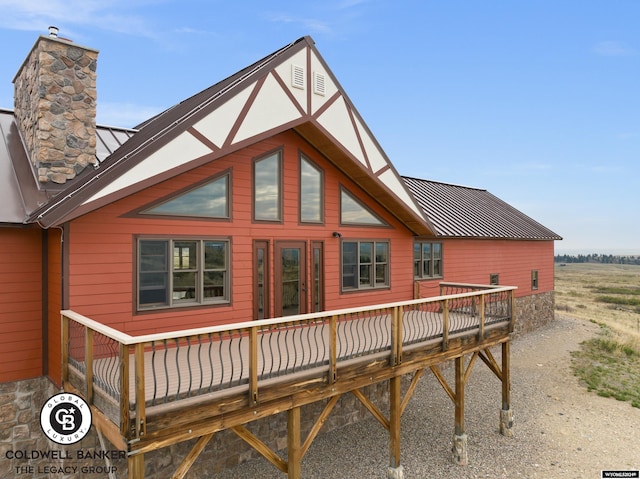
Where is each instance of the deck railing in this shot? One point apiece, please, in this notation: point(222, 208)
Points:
point(126, 376)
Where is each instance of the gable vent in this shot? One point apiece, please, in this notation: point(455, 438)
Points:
point(318, 83)
point(297, 76)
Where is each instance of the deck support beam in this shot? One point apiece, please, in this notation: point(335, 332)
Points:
point(459, 449)
point(136, 466)
point(395, 470)
point(506, 414)
point(294, 451)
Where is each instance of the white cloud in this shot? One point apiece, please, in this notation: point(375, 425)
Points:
point(611, 48)
point(37, 15)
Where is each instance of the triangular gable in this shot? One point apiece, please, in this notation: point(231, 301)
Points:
point(287, 90)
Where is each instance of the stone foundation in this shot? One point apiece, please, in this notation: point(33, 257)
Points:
point(23, 445)
point(534, 311)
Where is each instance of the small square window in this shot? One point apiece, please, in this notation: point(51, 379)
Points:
point(494, 279)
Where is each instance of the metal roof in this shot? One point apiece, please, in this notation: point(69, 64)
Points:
point(465, 212)
point(21, 193)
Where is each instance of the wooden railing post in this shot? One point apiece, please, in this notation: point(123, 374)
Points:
point(481, 317)
point(65, 349)
point(445, 325)
point(512, 312)
point(88, 357)
point(141, 423)
point(333, 349)
point(396, 336)
point(125, 417)
point(253, 365)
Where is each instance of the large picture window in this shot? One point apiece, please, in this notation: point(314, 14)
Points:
point(267, 188)
point(179, 272)
point(208, 200)
point(427, 260)
point(311, 192)
point(365, 264)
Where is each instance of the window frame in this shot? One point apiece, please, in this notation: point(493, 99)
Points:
point(278, 154)
point(200, 271)
point(535, 280)
point(435, 260)
point(373, 265)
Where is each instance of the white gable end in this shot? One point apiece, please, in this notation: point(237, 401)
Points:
point(217, 126)
point(395, 184)
point(271, 109)
point(181, 150)
point(374, 155)
point(330, 88)
point(337, 121)
point(285, 72)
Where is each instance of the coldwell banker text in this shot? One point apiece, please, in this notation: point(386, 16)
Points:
point(62, 467)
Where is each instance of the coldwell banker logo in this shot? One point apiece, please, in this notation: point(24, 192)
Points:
point(65, 418)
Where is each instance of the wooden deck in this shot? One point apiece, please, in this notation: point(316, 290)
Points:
point(153, 391)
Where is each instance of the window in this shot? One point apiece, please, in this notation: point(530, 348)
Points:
point(427, 259)
point(267, 188)
point(353, 212)
point(311, 192)
point(494, 279)
point(365, 264)
point(182, 272)
point(534, 279)
point(210, 200)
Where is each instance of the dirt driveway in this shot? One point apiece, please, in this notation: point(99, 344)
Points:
point(560, 431)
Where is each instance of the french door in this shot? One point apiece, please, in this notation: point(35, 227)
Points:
point(297, 283)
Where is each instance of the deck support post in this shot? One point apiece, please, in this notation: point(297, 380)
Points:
point(395, 470)
point(136, 466)
point(506, 414)
point(459, 449)
point(294, 451)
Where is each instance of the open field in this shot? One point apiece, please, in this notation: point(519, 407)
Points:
point(608, 295)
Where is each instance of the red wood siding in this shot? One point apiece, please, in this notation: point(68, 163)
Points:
point(102, 244)
point(21, 300)
point(473, 261)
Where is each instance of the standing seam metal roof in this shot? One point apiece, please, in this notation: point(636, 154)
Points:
point(465, 212)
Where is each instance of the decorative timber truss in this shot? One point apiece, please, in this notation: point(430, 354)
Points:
point(149, 392)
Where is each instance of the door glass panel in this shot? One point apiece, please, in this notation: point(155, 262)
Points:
point(291, 281)
point(260, 286)
point(317, 280)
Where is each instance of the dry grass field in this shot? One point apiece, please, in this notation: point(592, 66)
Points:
point(608, 295)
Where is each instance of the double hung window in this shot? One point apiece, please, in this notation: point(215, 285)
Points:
point(182, 272)
point(365, 264)
point(427, 260)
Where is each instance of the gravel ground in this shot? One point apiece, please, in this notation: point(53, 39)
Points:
point(560, 430)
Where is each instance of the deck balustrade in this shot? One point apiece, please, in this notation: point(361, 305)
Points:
point(132, 379)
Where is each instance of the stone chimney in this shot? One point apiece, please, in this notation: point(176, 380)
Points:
point(55, 107)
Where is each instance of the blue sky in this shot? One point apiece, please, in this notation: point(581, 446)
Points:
point(536, 101)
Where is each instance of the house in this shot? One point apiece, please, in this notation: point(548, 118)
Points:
point(263, 196)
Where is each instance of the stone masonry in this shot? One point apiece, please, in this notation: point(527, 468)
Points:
point(55, 107)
